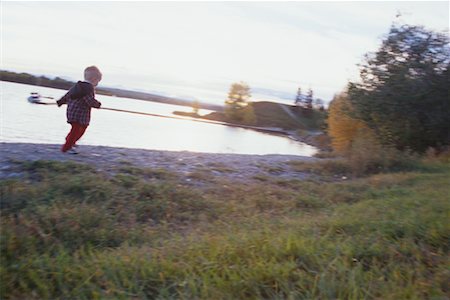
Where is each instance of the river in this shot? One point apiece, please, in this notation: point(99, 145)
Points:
point(22, 121)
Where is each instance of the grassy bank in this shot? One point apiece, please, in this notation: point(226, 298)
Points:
point(70, 232)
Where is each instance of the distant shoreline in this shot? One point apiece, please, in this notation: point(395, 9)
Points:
point(59, 83)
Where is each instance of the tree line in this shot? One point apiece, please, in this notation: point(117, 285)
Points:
point(402, 100)
point(26, 78)
point(239, 108)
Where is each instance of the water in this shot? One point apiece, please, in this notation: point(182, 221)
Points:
point(25, 122)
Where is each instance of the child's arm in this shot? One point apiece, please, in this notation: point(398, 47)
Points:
point(90, 101)
point(63, 99)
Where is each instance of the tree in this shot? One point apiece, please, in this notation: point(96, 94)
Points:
point(304, 101)
point(403, 94)
point(343, 128)
point(237, 101)
point(299, 98)
point(249, 116)
point(308, 103)
point(195, 106)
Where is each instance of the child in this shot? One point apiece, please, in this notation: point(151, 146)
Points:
point(79, 99)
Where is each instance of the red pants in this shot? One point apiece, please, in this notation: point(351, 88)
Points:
point(74, 135)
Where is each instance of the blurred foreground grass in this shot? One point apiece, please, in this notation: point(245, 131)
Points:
point(70, 232)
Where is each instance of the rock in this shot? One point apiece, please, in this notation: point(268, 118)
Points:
point(244, 167)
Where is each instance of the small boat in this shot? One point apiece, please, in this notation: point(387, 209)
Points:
point(34, 98)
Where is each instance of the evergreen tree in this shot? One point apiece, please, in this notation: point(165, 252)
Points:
point(299, 97)
point(308, 102)
point(404, 90)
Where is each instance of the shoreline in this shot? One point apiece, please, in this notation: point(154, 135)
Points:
point(242, 167)
point(121, 93)
point(277, 131)
point(177, 116)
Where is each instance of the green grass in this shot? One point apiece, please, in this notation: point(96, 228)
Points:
point(71, 232)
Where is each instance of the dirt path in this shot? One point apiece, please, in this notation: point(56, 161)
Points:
point(109, 159)
point(289, 112)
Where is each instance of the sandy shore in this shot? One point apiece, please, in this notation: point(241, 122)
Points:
point(110, 159)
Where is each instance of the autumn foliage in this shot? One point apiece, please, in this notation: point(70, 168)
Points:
point(342, 127)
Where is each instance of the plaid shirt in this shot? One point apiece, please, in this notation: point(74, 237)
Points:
point(79, 109)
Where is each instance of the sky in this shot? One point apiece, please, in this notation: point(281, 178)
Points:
point(196, 50)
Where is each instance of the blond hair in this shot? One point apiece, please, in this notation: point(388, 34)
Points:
point(91, 73)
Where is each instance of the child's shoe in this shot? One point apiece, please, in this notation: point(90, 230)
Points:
point(72, 151)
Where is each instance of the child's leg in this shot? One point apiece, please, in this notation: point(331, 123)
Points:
point(72, 136)
point(81, 131)
point(69, 138)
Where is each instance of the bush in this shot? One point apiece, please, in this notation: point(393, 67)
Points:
point(435, 155)
point(366, 156)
